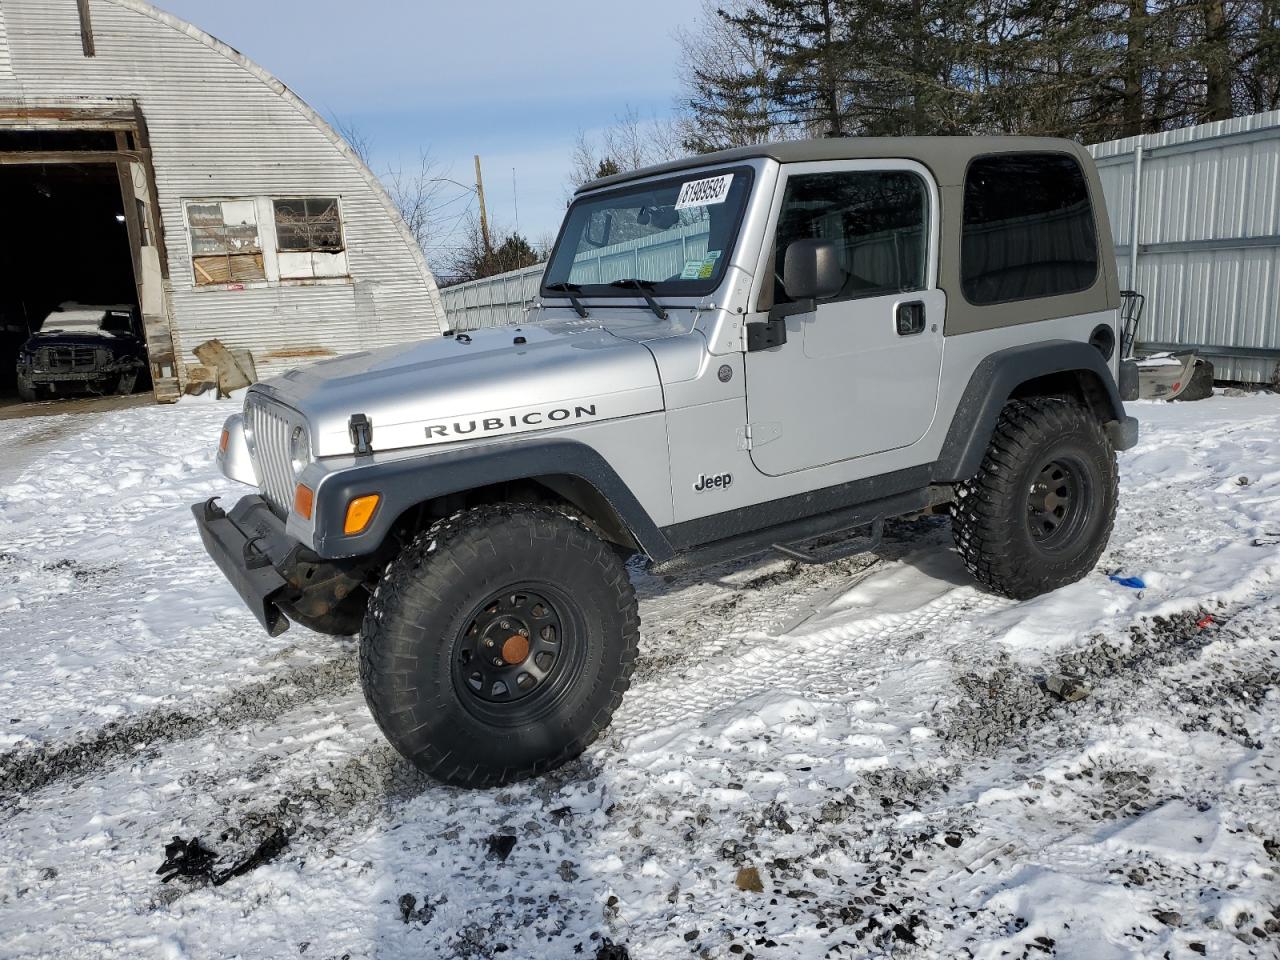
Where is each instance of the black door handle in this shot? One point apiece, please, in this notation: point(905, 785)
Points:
point(910, 318)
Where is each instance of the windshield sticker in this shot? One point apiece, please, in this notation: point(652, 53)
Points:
point(703, 193)
point(691, 270)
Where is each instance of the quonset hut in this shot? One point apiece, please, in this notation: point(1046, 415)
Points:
point(144, 162)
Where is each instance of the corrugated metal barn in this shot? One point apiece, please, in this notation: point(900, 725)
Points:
point(1207, 258)
point(153, 165)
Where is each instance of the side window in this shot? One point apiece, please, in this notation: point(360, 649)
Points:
point(309, 238)
point(878, 220)
point(224, 241)
point(1028, 229)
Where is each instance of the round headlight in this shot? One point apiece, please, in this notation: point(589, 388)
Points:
point(299, 450)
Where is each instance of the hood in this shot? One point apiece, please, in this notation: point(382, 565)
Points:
point(473, 386)
point(53, 336)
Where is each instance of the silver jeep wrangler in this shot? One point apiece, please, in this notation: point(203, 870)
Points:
point(737, 350)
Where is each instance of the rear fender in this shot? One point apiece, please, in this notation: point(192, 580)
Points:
point(1052, 367)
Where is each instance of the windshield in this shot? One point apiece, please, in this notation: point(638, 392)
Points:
point(674, 235)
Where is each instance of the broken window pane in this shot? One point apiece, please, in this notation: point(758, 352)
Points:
point(225, 247)
point(308, 224)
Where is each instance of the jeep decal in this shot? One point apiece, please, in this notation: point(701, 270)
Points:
point(717, 481)
point(514, 421)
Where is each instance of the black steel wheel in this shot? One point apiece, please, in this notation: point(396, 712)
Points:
point(498, 644)
point(520, 646)
point(1058, 503)
point(1040, 511)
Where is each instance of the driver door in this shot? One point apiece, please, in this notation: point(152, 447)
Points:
point(859, 374)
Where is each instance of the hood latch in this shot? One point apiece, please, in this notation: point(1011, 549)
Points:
point(360, 430)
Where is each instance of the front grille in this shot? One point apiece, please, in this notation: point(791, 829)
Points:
point(67, 359)
point(271, 428)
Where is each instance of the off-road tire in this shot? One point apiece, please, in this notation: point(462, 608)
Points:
point(420, 625)
point(28, 392)
point(992, 518)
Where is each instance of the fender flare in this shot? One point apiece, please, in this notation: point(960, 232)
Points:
point(405, 482)
point(994, 381)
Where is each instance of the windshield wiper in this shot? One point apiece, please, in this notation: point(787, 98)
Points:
point(645, 288)
point(569, 289)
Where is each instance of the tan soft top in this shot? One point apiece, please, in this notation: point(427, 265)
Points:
point(946, 157)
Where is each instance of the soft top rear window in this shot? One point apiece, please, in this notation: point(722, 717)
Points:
point(674, 235)
point(1028, 228)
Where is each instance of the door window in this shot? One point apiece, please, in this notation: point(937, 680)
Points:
point(878, 220)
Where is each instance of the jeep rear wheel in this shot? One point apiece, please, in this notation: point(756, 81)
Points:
point(498, 644)
point(1039, 513)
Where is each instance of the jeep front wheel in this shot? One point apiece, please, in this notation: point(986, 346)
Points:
point(1039, 512)
point(498, 644)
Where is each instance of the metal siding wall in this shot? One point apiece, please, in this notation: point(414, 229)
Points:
point(1209, 185)
point(7, 79)
point(495, 301)
point(220, 130)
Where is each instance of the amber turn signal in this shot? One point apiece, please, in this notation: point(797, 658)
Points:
point(223, 441)
point(359, 513)
point(304, 499)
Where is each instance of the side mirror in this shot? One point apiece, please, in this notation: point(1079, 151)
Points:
point(811, 270)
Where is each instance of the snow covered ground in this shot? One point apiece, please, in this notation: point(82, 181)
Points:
point(845, 760)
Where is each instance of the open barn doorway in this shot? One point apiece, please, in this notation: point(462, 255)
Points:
point(70, 301)
point(83, 310)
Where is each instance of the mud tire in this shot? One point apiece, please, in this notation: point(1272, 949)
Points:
point(28, 392)
point(1001, 539)
point(421, 617)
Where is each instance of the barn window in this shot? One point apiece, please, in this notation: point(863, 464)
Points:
point(225, 247)
point(309, 238)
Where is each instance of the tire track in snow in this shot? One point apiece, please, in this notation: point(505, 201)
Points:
point(29, 769)
point(881, 813)
point(309, 804)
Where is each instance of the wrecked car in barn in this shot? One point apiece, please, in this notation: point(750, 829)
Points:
point(82, 349)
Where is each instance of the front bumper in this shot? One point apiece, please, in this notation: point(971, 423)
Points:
point(100, 373)
point(245, 559)
point(278, 578)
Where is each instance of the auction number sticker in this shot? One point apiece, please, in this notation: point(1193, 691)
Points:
point(703, 193)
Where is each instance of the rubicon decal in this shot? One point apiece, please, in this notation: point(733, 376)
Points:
point(508, 422)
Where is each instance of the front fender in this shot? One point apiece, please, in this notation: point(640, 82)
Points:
point(404, 482)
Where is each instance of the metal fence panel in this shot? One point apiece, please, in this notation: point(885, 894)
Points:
point(1208, 251)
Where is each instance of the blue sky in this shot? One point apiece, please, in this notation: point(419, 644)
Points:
point(512, 81)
